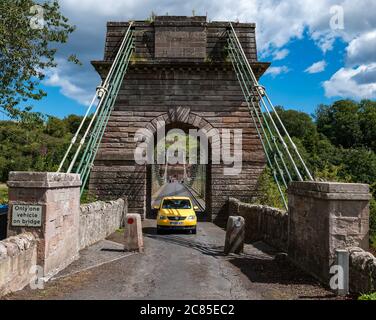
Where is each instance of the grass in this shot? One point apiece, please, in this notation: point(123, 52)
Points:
point(3, 194)
point(366, 297)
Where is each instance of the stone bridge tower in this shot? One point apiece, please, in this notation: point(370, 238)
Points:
point(179, 74)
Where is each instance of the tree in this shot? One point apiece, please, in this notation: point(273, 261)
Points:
point(368, 123)
point(298, 124)
point(29, 33)
point(340, 122)
point(56, 128)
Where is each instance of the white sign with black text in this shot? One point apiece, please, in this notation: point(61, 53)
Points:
point(26, 216)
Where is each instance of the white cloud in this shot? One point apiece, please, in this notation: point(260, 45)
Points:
point(275, 71)
point(278, 22)
point(317, 67)
point(59, 77)
point(280, 54)
point(362, 50)
point(356, 83)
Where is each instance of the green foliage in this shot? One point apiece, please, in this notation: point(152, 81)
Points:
point(26, 52)
point(371, 296)
point(34, 143)
point(88, 197)
point(3, 194)
point(339, 145)
point(269, 192)
point(348, 124)
point(340, 123)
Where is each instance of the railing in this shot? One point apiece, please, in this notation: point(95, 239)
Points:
point(106, 95)
point(282, 155)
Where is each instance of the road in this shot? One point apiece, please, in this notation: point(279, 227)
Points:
point(181, 266)
point(176, 189)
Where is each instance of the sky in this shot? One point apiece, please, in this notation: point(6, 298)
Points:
point(320, 50)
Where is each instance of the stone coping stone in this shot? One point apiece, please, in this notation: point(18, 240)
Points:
point(43, 180)
point(330, 187)
point(159, 22)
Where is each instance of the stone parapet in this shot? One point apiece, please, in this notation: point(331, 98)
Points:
point(362, 271)
point(262, 223)
point(100, 219)
point(18, 255)
point(58, 196)
point(324, 217)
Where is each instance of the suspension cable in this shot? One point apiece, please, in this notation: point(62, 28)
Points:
point(261, 93)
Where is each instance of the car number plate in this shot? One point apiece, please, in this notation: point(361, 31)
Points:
point(176, 223)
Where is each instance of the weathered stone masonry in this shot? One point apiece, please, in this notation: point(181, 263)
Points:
point(66, 227)
point(179, 62)
point(322, 217)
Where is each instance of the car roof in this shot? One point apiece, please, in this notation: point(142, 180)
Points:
point(176, 198)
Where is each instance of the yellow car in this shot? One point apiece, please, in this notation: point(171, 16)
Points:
point(176, 213)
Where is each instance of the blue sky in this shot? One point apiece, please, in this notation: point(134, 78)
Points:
point(298, 89)
point(321, 50)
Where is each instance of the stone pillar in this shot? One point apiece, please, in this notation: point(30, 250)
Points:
point(323, 217)
point(55, 200)
point(235, 235)
point(133, 236)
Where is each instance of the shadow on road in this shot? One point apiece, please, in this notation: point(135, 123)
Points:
point(273, 270)
point(175, 238)
point(260, 267)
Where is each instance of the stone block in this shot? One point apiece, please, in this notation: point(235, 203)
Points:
point(133, 237)
point(235, 234)
point(324, 217)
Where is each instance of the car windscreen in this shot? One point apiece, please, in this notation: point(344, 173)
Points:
point(176, 204)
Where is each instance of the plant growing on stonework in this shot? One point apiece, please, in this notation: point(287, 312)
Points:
point(269, 194)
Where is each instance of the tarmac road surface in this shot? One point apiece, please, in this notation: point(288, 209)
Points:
point(179, 266)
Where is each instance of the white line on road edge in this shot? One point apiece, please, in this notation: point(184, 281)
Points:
point(92, 267)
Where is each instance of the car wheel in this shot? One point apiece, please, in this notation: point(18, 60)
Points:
point(194, 231)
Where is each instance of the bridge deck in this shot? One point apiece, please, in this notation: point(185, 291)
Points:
point(181, 266)
point(176, 189)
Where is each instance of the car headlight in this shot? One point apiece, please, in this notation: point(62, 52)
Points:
point(162, 218)
point(191, 218)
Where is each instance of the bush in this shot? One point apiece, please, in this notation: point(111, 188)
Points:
point(3, 194)
point(371, 296)
point(269, 193)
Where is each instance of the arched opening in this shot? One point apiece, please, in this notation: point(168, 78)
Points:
point(185, 171)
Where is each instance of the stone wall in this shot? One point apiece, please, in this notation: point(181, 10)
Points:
point(17, 256)
point(262, 223)
point(362, 271)
point(100, 219)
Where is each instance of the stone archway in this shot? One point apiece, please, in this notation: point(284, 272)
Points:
point(183, 119)
point(181, 115)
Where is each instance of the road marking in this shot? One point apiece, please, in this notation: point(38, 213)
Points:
point(95, 266)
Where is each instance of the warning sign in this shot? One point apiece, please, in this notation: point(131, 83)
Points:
point(26, 216)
